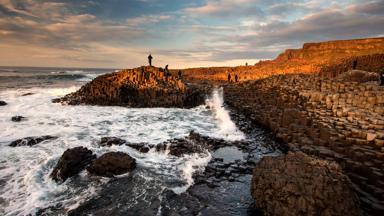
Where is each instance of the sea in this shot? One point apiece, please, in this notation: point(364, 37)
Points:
point(25, 185)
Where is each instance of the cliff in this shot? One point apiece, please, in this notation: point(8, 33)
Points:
point(311, 58)
point(138, 87)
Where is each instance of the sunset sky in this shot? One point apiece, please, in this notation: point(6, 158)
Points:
point(181, 33)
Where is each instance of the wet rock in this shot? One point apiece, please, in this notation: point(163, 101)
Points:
point(71, 163)
point(138, 87)
point(2, 103)
point(27, 94)
point(111, 164)
point(189, 145)
point(17, 118)
point(297, 184)
point(108, 141)
point(30, 141)
point(141, 147)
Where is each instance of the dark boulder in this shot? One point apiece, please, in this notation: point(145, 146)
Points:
point(111, 164)
point(71, 163)
point(108, 141)
point(30, 141)
point(2, 103)
point(297, 184)
point(17, 118)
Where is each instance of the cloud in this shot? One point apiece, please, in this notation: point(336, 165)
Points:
point(202, 32)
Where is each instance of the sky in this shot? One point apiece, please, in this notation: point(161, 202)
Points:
point(181, 33)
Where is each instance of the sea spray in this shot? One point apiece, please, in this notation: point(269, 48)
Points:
point(25, 170)
point(226, 125)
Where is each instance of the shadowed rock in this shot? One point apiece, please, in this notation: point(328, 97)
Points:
point(297, 184)
point(111, 164)
point(2, 103)
point(30, 141)
point(108, 141)
point(359, 76)
point(139, 87)
point(71, 163)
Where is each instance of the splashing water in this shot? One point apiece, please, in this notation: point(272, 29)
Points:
point(226, 125)
point(24, 171)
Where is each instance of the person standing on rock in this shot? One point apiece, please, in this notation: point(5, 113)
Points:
point(229, 77)
point(150, 60)
point(179, 74)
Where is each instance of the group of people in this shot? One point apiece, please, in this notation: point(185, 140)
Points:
point(166, 70)
point(229, 77)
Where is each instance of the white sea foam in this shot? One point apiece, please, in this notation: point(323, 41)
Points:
point(226, 125)
point(24, 171)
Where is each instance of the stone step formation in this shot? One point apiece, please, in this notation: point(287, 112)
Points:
point(145, 86)
point(332, 119)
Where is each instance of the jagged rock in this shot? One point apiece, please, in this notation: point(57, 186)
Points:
point(17, 118)
point(194, 143)
point(71, 163)
point(111, 164)
point(139, 87)
point(108, 141)
point(297, 184)
point(30, 141)
point(141, 147)
point(2, 103)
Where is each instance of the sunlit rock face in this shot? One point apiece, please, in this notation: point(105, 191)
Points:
point(330, 58)
point(138, 87)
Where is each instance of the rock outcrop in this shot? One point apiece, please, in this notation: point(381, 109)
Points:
point(3, 103)
point(296, 184)
point(139, 87)
point(31, 141)
point(331, 119)
point(112, 164)
point(71, 163)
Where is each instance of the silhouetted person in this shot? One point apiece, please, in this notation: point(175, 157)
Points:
point(246, 63)
point(354, 64)
point(166, 67)
point(229, 77)
point(382, 79)
point(179, 74)
point(236, 78)
point(150, 59)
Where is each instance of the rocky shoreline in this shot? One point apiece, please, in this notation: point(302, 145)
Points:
point(336, 120)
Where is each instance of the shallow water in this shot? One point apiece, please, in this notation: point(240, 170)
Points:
point(25, 185)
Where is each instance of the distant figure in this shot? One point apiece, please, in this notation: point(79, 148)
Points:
point(246, 63)
point(166, 67)
point(236, 78)
point(354, 64)
point(229, 77)
point(150, 59)
point(382, 79)
point(179, 74)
